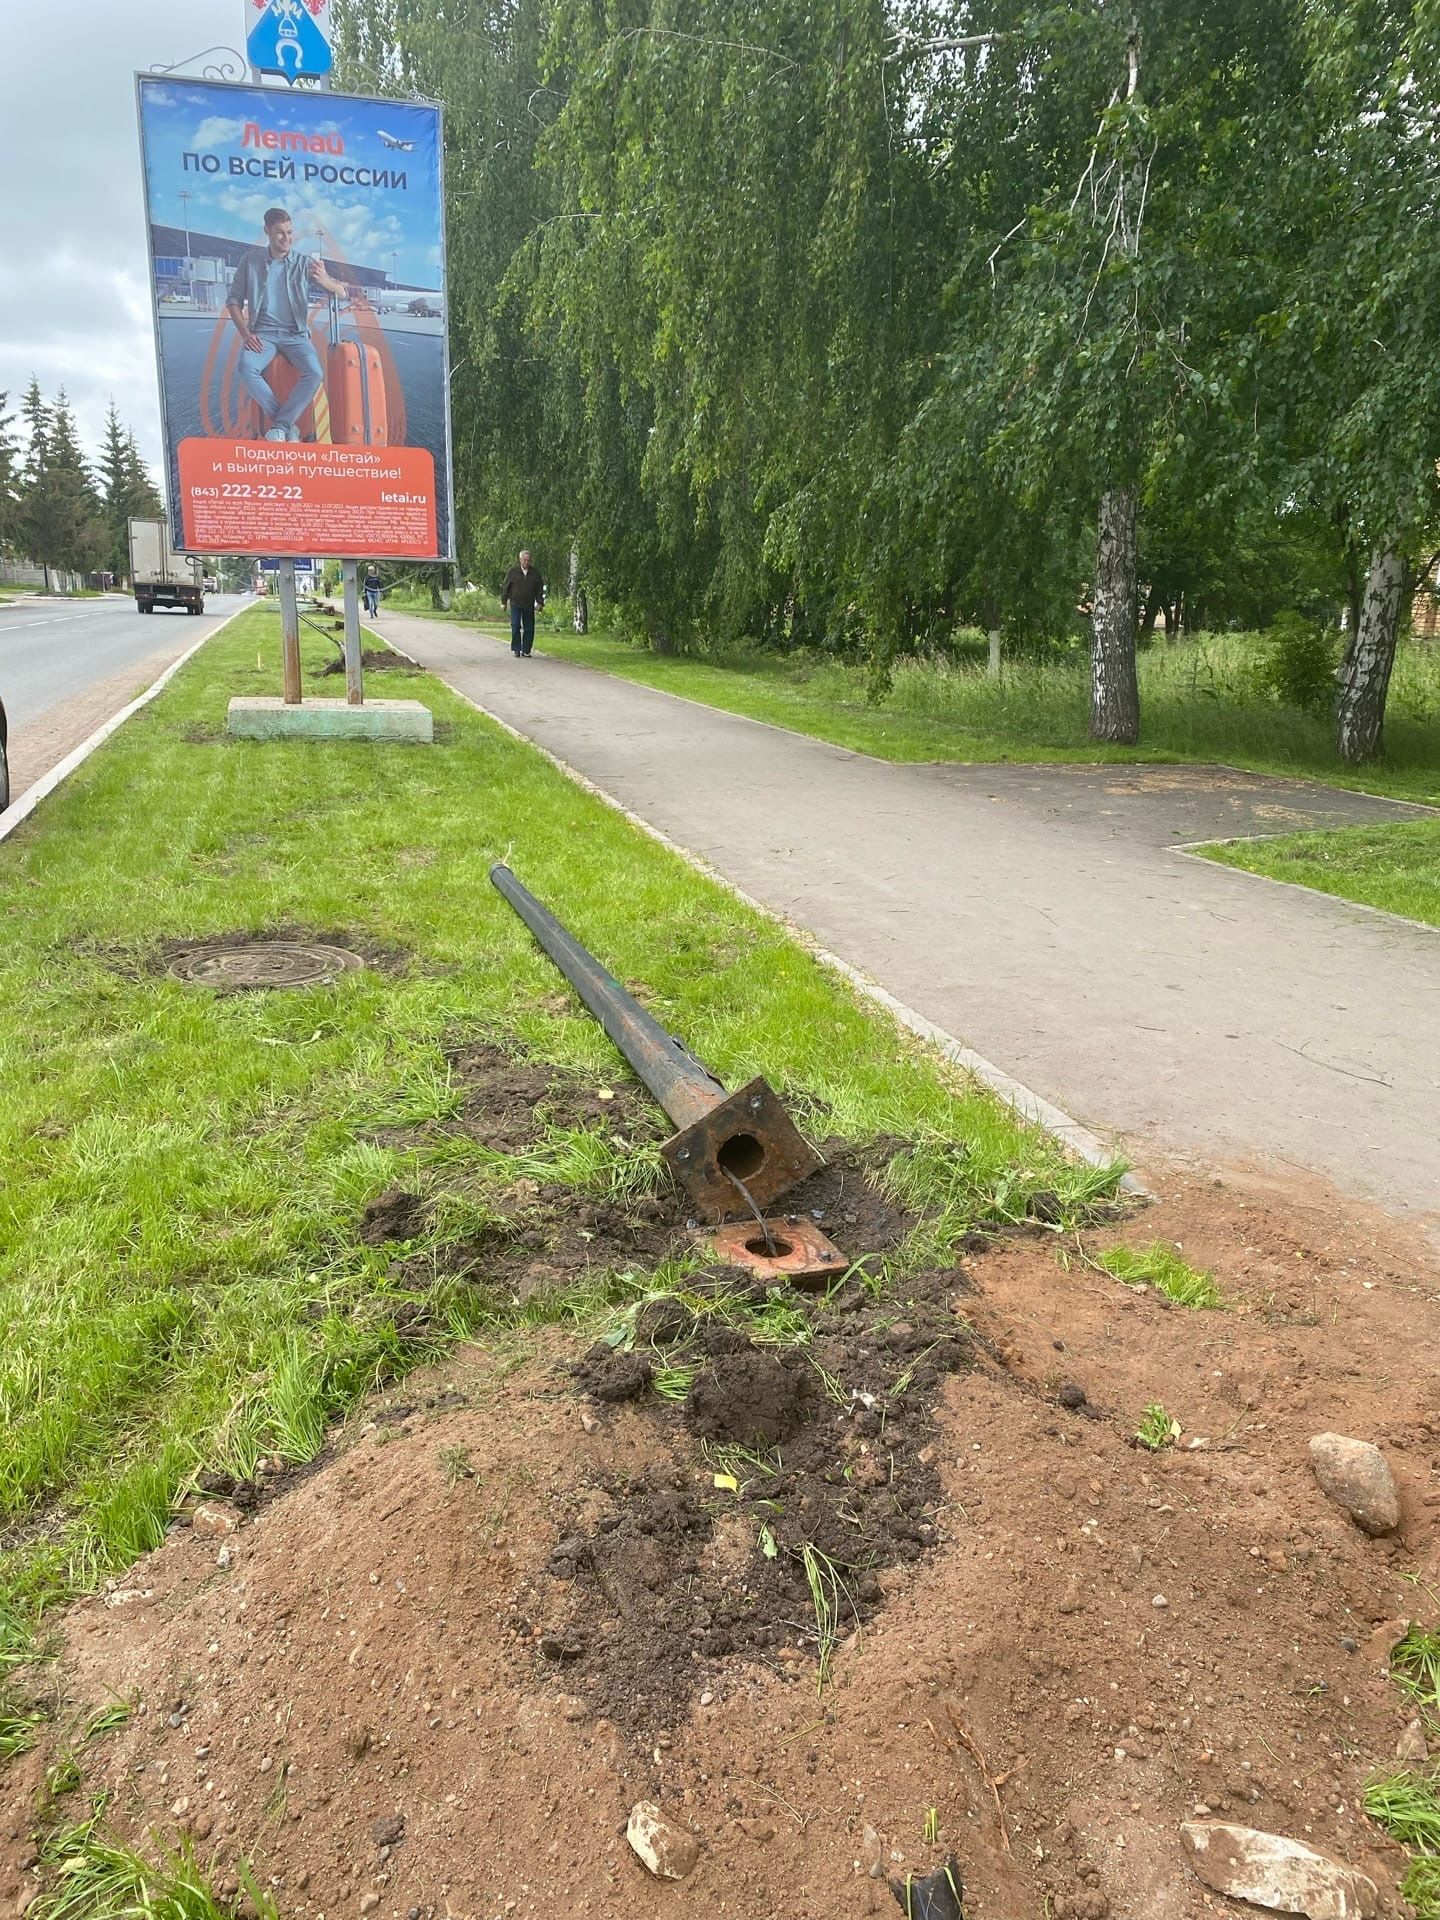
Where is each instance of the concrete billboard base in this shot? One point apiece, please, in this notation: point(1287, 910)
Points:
point(269, 718)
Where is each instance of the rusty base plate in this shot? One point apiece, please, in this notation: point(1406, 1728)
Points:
point(802, 1252)
point(750, 1135)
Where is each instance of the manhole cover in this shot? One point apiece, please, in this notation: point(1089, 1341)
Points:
point(240, 965)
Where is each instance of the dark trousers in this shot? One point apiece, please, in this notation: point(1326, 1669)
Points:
point(522, 628)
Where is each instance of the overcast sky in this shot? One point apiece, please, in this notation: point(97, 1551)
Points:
point(73, 304)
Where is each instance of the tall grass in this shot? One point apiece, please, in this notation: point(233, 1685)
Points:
point(1200, 699)
point(1206, 698)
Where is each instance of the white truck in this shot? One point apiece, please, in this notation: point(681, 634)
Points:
point(159, 575)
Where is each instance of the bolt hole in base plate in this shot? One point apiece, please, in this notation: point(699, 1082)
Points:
point(249, 966)
point(801, 1253)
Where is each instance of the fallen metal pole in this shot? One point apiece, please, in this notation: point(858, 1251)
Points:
point(733, 1153)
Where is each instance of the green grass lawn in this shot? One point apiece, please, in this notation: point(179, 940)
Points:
point(181, 1281)
point(1396, 868)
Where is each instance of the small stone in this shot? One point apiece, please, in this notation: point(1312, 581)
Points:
point(266, 1763)
point(175, 1720)
point(707, 1699)
point(388, 1830)
point(1349, 1643)
point(1356, 1475)
point(555, 1646)
point(1274, 1872)
point(369, 1902)
point(758, 1830)
point(1071, 1395)
point(572, 1707)
point(224, 1556)
point(669, 1852)
point(1411, 1746)
point(1160, 1601)
point(214, 1518)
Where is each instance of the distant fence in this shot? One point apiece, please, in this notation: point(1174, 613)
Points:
point(21, 573)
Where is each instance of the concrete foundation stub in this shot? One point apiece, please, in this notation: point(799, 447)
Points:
point(262, 717)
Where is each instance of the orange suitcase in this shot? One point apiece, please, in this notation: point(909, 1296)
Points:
point(355, 383)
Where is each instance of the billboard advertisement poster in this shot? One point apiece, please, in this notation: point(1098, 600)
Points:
point(297, 269)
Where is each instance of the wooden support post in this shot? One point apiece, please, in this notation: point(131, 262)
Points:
point(290, 633)
point(354, 672)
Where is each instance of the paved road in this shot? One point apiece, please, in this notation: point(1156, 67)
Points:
point(1047, 917)
point(66, 667)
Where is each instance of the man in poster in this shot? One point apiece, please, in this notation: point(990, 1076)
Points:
point(270, 306)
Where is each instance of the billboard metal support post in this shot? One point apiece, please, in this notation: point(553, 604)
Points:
point(290, 632)
point(354, 671)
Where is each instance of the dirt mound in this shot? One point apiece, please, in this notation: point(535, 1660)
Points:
point(814, 1474)
point(748, 1395)
point(372, 661)
point(1101, 1643)
point(395, 1214)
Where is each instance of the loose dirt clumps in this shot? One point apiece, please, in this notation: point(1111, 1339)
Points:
point(506, 1622)
point(507, 1102)
point(815, 1474)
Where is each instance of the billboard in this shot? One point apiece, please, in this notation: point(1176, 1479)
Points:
point(297, 271)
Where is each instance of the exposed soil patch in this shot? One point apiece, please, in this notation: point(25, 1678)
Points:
point(815, 1463)
point(372, 662)
point(393, 1215)
point(509, 1101)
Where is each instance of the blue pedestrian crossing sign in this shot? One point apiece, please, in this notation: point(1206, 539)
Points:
point(290, 37)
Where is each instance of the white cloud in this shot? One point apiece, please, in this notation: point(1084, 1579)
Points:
point(216, 131)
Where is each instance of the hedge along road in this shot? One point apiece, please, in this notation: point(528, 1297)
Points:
point(1047, 917)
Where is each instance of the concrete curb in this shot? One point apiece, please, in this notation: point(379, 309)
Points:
point(1192, 850)
point(1086, 1146)
point(22, 809)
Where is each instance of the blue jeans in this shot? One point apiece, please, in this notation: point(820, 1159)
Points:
point(522, 628)
point(299, 350)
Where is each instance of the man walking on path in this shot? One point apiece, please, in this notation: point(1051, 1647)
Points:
point(372, 592)
point(523, 592)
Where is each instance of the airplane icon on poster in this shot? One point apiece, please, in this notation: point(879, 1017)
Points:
point(393, 141)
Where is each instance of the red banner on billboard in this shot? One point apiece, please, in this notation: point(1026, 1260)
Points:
point(266, 497)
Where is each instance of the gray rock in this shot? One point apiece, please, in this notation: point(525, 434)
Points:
point(1356, 1476)
point(670, 1852)
point(1411, 1747)
point(1271, 1871)
point(388, 1830)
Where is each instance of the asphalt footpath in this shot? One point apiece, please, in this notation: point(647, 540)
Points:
point(1048, 917)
